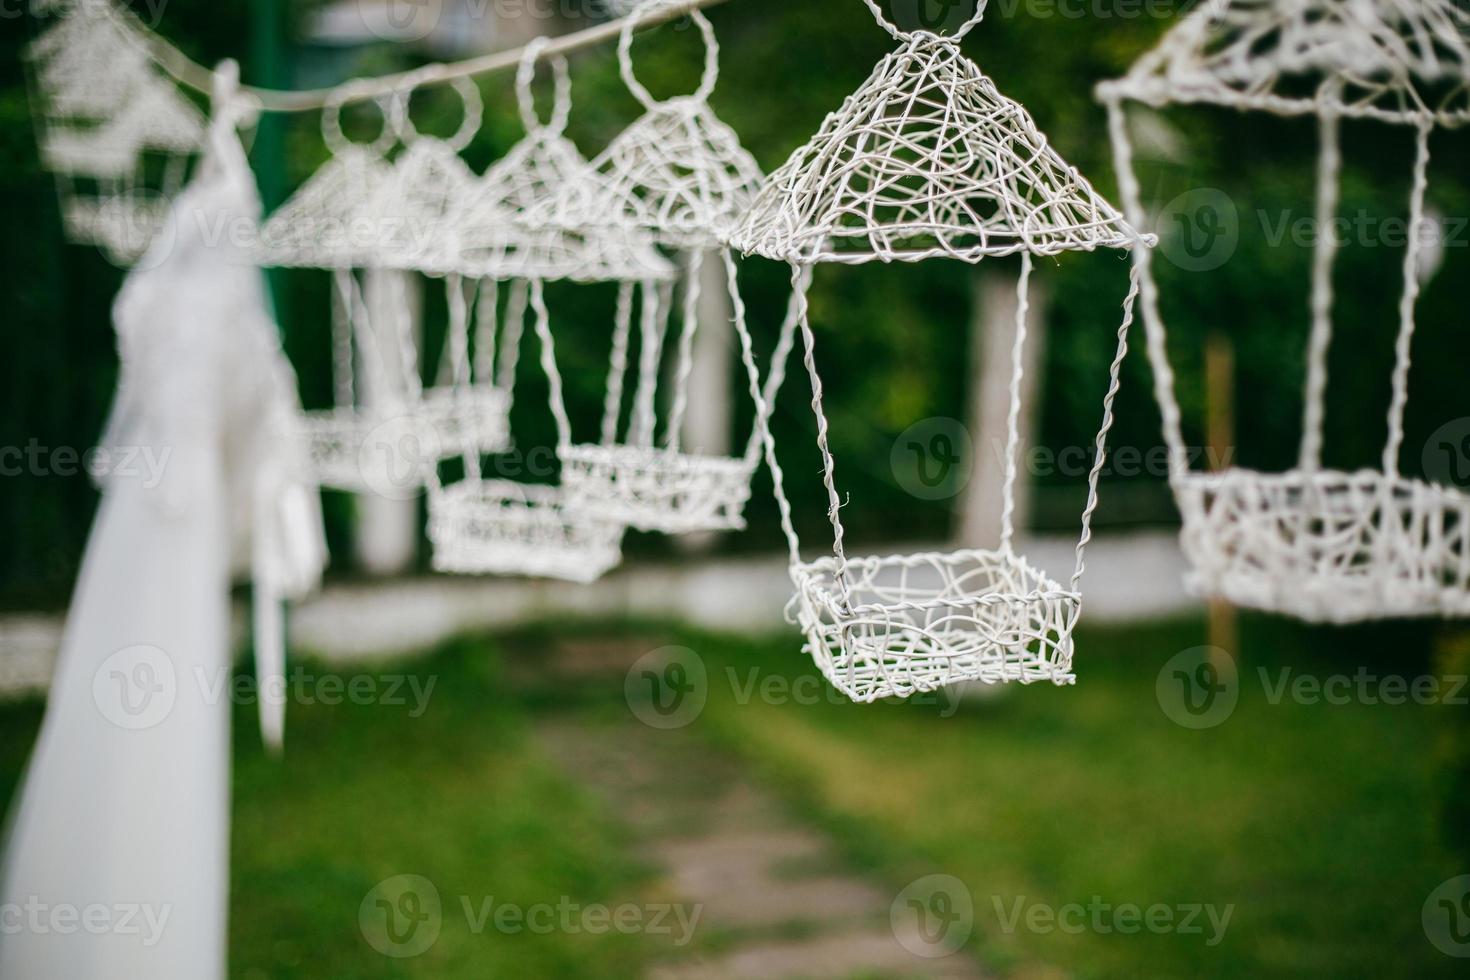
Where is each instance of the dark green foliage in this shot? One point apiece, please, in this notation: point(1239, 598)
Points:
point(892, 341)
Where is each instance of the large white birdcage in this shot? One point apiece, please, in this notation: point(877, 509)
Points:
point(484, 525)
point(103, 111)
point(678, 178)
point(927, 160)
point(372, 222)
point(1320, 544)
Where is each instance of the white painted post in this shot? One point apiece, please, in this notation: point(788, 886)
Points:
point(992, 337)
point(387, 531)
point(709, 421)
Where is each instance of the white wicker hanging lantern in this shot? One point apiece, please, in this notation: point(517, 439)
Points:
point(480, 525)
point(419, 203)
point(677, 177)
point(1318, 544)
point(356, 213)
point(328, 224)
point(102, 107)
point(929, 160)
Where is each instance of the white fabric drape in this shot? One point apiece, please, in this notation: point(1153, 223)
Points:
point(117, 858)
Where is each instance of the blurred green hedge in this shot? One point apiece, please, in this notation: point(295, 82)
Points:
point(893, 341)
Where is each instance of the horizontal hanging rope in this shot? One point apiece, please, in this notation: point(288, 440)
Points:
point(193, 75)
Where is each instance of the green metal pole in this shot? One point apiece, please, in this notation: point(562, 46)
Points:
point(268, 68)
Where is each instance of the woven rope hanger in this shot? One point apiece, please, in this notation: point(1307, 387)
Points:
point(928, 159)
point(498, 526)
point(678, 177)
point(1318, 544)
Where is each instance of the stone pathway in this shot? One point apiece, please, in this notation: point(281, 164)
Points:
point(777, 899)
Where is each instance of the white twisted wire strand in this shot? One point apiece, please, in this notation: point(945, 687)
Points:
point(612, 403)
point(1408, 301)
point(764, 398)
point(1329, 178)
point(780, 357)
point(454, 355)
point(1013, 417)
point(901, 35)
point(684, 362)
point(1100, 455)
point(336, 437)
point(639, 15)
point(829, 464)
point(1131, 195)
point(653, 329)
point(510, 343)
point(1398, 61)
point(548, 364)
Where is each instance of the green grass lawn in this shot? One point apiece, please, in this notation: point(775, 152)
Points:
point(1318, 824)
point(366, 793)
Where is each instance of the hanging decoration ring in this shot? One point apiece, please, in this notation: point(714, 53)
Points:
point(562, 99)
point(711, 55)
point(474, 112)
point(902, 35)
point(337, 140)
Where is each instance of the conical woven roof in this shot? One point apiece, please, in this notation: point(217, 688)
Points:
point(1396, 60)
point(927, 160)
point(678, 175)
point(93, 65)
point(328, 223)
point(417, 205)
point(496, 239)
